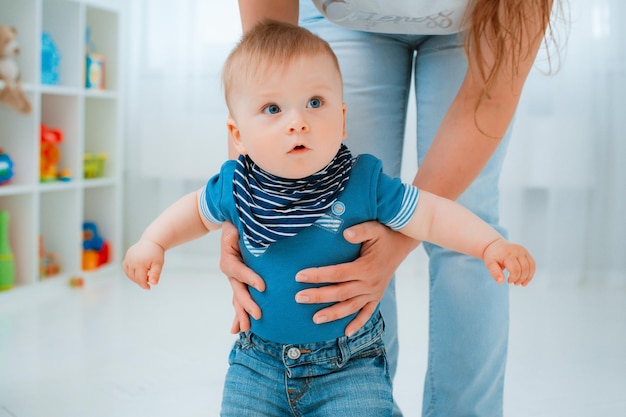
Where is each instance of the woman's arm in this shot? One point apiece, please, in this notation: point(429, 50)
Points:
point(479, 115)
point(254, 11)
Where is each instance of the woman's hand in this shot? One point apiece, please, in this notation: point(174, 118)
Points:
point(361, 284)
point(239, 276)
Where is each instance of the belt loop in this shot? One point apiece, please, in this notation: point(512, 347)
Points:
point(245, 339)
point(342, 343)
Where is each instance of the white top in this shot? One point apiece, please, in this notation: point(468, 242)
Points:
point(412, 17)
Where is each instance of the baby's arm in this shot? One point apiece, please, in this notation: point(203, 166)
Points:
point(448, 224)
point(178, 224)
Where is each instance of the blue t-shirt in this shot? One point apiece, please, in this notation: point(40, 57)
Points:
point(368, 195)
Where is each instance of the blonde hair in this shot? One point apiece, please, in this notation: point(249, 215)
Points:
point(271, 43)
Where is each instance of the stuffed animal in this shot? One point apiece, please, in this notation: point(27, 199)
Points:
point(12, 94)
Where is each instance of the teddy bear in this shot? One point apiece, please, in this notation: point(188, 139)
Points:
point(12, 94)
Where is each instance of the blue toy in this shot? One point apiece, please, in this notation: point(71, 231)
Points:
point(6, 168)
point(50, 59)
point(91, 237)
point(95, 248)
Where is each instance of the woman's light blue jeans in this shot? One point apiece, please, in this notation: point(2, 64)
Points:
point(469, 313)
point(347, 377)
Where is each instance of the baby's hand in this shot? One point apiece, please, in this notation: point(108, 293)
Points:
point(501, 254)
point(143, 263)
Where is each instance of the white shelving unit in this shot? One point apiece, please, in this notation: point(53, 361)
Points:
point(91, 121)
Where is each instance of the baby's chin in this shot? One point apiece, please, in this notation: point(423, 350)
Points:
point(298, 164)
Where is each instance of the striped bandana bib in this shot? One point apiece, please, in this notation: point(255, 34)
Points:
point(273, 208)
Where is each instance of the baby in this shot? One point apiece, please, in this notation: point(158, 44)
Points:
point(293, 190)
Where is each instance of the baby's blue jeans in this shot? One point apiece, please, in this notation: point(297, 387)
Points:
point(469, 312)
point(346, 377)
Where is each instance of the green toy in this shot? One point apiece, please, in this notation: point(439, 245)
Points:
point(7, 262)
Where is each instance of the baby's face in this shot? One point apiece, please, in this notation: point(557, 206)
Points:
point(290, 119)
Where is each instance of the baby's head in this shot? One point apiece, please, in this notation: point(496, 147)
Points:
point(284, 94)
point(268, 46)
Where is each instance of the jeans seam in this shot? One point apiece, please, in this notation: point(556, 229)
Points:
point(293, 404)
point(430, 407)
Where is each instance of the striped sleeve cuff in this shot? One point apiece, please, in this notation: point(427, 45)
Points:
point(204, 208)
point(407, 208)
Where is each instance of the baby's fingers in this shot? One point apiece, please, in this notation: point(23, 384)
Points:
point(528, 271)
point(496, 272)
point(140, 277)
point(521, 270)
point(514, 268)
point(139, 273)
point(154, 274)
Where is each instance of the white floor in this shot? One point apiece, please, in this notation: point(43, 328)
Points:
point(113, 350)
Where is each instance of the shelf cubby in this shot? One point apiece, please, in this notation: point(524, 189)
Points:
point(90, 121)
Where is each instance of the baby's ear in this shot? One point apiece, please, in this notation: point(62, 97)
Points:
point(235, 136)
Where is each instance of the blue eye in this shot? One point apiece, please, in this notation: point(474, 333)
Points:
point(271, 109)
point(315, 103)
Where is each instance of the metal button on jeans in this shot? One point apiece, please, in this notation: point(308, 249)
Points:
point(293, 353)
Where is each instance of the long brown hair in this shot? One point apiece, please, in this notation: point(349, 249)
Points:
point(509, 28)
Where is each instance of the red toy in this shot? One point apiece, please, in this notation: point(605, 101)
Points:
point(51, 155)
